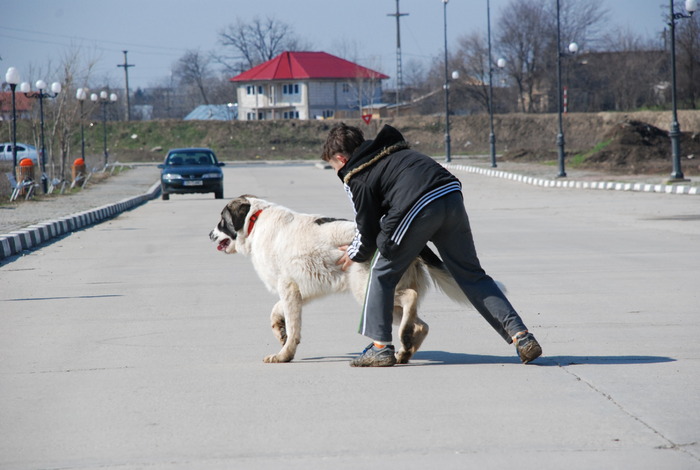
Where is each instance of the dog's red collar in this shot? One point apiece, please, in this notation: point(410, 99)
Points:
point(252, 220)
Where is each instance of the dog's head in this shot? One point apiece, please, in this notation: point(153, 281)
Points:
point(232, 224)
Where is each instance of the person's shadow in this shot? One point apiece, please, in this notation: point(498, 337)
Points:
point(430, 358)
point(449, 358)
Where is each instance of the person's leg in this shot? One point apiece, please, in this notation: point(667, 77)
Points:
point(377, 312)
point(378, 308)
point(455, 244)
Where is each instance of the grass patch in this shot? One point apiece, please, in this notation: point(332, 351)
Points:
point(580, 158)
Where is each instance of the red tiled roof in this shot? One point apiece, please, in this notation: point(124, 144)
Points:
point(22, 103)
point(299, 65)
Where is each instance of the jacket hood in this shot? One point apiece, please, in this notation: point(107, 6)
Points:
point(388, 141)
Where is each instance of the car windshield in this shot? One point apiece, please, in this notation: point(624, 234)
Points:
point(191, 158)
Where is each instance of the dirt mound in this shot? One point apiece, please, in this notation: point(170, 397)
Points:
point(635, 147)
point(629, 146)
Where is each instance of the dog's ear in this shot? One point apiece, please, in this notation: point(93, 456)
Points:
point(233, 216)
point(236, 212)
point(238, 215)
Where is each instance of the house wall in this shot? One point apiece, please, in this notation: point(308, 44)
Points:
point(315, 99)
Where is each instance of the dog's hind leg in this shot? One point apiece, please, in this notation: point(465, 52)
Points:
point(412, 330)
point(279, 328)
point(290, 304)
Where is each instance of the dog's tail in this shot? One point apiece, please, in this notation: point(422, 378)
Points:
point(443, 279)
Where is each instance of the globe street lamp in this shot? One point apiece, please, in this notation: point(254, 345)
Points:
point(675, 133)
point(448, 157)
point(81, 96)
point(40, 95)
point(573, 49)
point(104, 99)
point(12, 77)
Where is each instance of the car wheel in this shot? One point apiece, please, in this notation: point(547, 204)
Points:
point(219, 194)
point(165, 196)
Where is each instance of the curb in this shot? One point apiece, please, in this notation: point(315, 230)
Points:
point(609, 185)
point(38, 234)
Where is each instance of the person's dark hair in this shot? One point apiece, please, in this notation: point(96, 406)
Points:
point(342, 139)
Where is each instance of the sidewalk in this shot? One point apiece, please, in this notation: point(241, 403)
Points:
point(27, 224)
point(546, 175)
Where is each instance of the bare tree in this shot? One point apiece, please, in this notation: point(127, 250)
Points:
point(256, 41)
point(688, 53)
point(626, 72)
point(473, 66)
point(522, 38)
point(193, 70)
point(527, 39)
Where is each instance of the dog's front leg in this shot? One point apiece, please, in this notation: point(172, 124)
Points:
point(290, 302)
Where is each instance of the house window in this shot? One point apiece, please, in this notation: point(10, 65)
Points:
point(328, 113)
point(346, 88)
point(260, 90)
point(291, 115)
point(250, 90)
point(290, 89)
point(250, 116)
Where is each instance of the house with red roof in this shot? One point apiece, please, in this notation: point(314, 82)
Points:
point(23, 106)
point(306, 85)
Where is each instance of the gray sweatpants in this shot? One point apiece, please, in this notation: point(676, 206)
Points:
point(445, 223)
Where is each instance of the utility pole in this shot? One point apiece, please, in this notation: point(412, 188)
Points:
point(126, 66)
point(399, 73)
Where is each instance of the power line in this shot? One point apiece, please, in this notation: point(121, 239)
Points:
point(82, 38)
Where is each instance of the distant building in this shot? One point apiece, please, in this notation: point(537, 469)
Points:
point(23, 105)
point(213, 112)
point(306, 85)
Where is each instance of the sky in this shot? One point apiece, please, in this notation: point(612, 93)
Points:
point(35, 35)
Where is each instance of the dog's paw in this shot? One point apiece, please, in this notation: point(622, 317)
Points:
point(276, 358)
point(403, 356)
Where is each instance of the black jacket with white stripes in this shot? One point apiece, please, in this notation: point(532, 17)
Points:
point(388, 184)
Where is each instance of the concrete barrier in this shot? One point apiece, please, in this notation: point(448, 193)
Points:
point(33, 236)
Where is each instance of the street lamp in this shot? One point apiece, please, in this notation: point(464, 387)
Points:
point(675, 133)
point(81, 96)
point(501, 63)
point(104, 99)
point(573, 49)
point(448, 157)
point(12, 77)
point(40, 95)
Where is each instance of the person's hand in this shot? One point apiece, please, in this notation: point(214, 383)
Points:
point(344, 262)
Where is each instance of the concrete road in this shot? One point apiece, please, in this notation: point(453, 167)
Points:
point(135, 344)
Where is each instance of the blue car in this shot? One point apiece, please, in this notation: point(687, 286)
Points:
point(191, 170)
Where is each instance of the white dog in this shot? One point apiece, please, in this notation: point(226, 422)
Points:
point(295, 256)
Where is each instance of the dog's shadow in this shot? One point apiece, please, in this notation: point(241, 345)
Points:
point(430, 358)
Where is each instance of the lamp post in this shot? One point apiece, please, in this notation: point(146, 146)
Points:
point(573, 49)
point(104, 99)
point(675, 132)
point(40, 95)
point(12, 77)
point(501, 63)
point(81, 96)
point(448, 156)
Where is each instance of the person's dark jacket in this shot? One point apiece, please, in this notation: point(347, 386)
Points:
point(388, 184)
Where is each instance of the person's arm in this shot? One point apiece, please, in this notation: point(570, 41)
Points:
point(367, 216)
